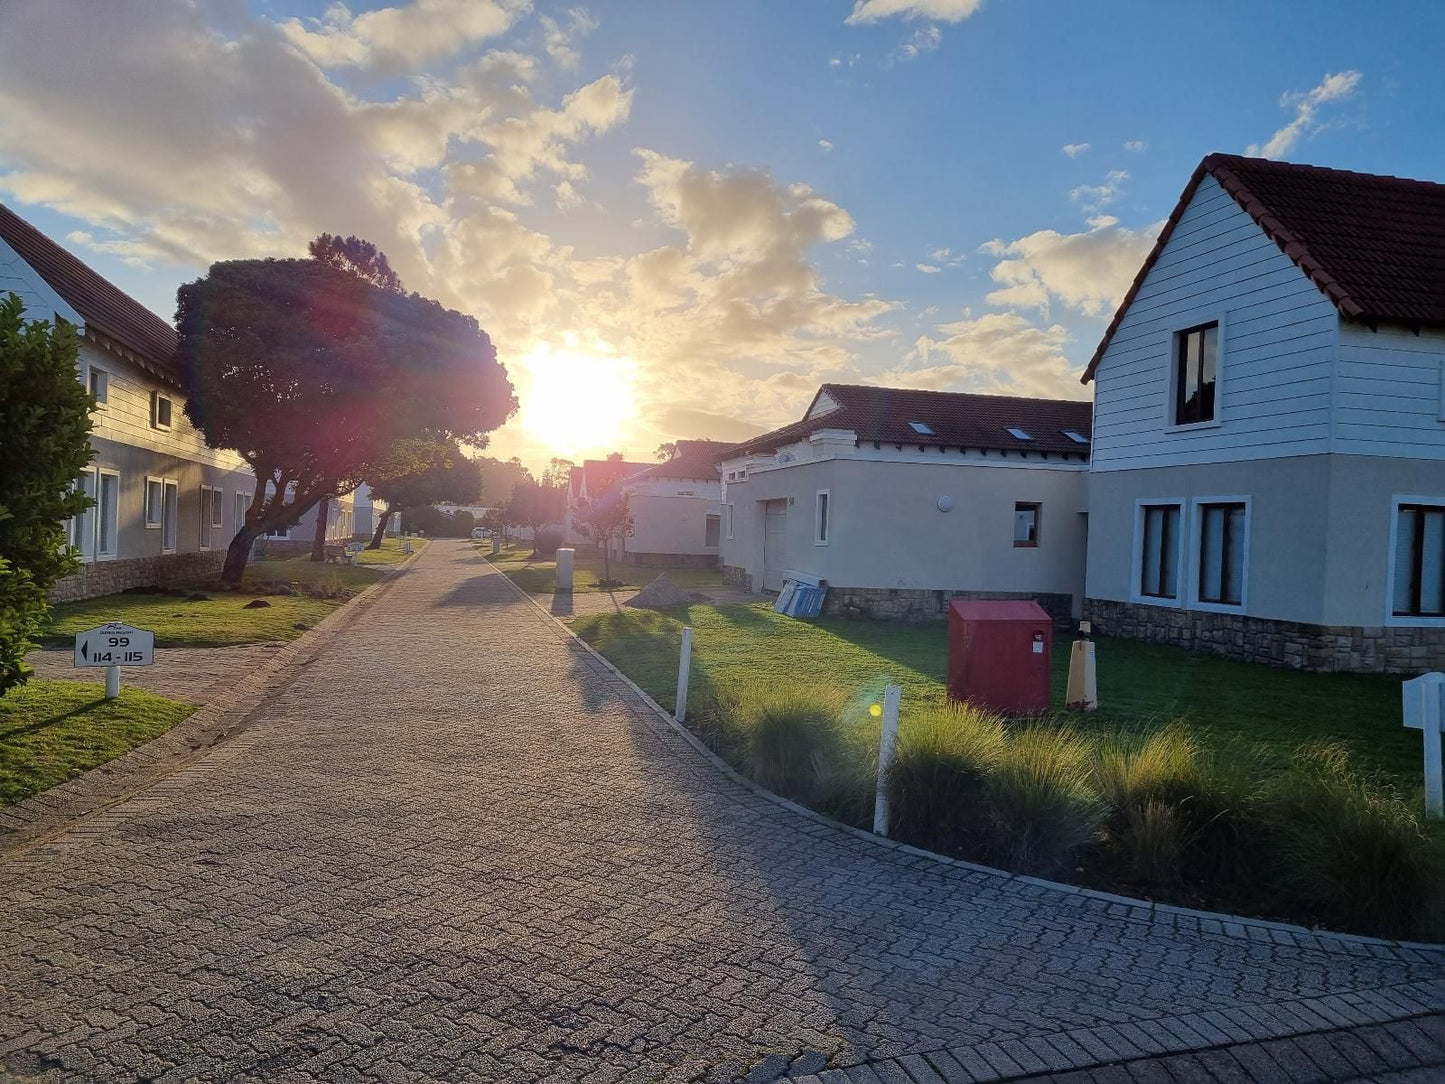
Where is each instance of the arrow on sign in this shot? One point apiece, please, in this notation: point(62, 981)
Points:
point(85, 649)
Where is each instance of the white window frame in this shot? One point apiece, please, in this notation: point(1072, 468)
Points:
point(822, 516)
point(1136, 566)
point(240, 505)
point(1180, 324)
point(1405, 621)
point(160, 484)
point(1196, 542)
point(170, 516)
point(728, 518)
point(156, 422)
point(207, 517)
point(101, 553)
point(81, 528)
point(1038, 507)
point(101, 401)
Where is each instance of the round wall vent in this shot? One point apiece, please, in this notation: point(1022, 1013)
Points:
point(945, 503)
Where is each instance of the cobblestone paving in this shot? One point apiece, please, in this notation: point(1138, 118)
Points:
point(458, 847)
point(181, 673)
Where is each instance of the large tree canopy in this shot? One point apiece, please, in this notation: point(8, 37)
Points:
point(424, 471)
point(313, 374)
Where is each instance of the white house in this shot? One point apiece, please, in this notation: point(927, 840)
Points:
point(903, 500)
point(676, 509)
point(166, 505)
point(594, 480)
point(1268, 474)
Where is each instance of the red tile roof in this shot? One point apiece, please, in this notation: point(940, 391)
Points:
point(1374, 245)
point(953, 420)
point(108, 311)
point(600, 475)
point(696, 461)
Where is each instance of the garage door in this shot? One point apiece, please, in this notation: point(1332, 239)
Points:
point(775, 552)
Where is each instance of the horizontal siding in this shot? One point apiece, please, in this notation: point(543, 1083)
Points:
point(1280, 338)
point(1388, 396)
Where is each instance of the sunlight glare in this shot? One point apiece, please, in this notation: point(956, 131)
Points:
point(578, 399)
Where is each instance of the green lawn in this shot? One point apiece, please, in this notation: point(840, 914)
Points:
point(1243, 709)
point(539, 576)
point(51, 731)
point(390, 552)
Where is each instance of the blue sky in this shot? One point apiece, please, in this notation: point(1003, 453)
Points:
point(676, 219)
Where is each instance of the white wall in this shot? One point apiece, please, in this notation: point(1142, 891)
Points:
point(669, 515)
point(1390, 392)
point(1279, 337)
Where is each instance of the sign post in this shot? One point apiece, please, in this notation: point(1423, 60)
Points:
point(113, 646)
point(1424, 704)
point(887, 743)
point(684, 668)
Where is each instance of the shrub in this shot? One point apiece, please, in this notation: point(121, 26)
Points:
point(793, 738)
point(1042, 804)
point(938, 783)
point(549, 539)
point(1349, 852)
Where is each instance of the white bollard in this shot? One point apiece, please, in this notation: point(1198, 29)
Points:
point(496, 543)
point(1424, 704)
point(112, 682)
point(684, 668)
point(892, 697)
point(564, 569)
point(1083, 688)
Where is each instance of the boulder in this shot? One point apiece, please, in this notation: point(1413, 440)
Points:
point(660, 594)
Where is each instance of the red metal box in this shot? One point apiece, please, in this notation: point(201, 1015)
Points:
point(998, 654)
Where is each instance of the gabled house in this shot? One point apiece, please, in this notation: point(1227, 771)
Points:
point(166, 505)
point(903, 500)
point(1268, 474)
point(676, 509)
point(594, 480)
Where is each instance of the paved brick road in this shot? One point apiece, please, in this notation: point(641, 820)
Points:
point(459, 848)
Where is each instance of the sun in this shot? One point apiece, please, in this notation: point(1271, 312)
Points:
point(577, 399)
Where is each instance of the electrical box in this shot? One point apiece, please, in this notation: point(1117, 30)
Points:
point(998, 654)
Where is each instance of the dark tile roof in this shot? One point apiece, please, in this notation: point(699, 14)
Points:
point(696, 461)
point(600, 475)
point(953, 420)
point(108, 311)
point(1374, 245)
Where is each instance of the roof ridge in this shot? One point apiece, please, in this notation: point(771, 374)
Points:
point(939, 391)
point(1310, 167)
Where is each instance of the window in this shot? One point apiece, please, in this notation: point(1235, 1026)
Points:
point(160, 411)
point(1159, 551)
point(1195, 370)
point(155, 498)
point(1222, 530)
point(242, 505)
point(1075, 436)
point(728, 515)
point(1419, 587)
point(1026, 523)
point(820, 519)
point(82, 527)
point(1018, 434)
point(107, 514)
point(921, 428)
point(710, 530)
point(170, 508)
point(210, 514)
point(97, 382)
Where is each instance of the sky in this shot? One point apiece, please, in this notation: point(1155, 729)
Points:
point(676, 218)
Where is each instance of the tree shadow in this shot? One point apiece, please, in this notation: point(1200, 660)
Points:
point(52, 720)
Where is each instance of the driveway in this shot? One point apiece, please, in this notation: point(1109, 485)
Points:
point(457, 847)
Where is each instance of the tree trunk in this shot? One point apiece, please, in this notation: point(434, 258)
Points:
point(606, 561)
point(318, 540)
point(237, 554)
point(381, 525)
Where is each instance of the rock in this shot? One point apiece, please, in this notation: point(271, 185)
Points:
point(660, 594)
point(198, 596)
point(257, 604)
point(301, 626)
point(283, 589)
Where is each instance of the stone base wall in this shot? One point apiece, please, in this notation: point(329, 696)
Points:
point(1289, 644)
point(280, 547)
point(673, 560)
point(914, 605)
point(108, 577)
point(735, 576)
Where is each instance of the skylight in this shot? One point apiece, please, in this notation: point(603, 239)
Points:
point(1018, 434)
point(1077, 438)
point(921, 428)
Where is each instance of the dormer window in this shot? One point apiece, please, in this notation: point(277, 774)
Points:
point(1075, 436)
point(1196, 354)
point(1018, 434)
point(921, 428)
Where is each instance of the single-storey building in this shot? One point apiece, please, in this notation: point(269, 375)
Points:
point(1268, 472)
point(904, 500)
point(676, 509)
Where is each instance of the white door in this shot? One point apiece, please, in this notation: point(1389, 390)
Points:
point(775, 536)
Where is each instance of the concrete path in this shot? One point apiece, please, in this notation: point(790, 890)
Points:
point(457, 847)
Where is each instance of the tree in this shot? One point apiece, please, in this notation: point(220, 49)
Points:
point(604, 521)
point(499, 478)
point(422, 471)
point(558, 474)
point(312, 374)
point(360, 258)
point(535, 505)
point(666, 450)
point(44, 435)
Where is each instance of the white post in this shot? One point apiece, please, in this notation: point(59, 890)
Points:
point(684, 666)
point(112, 682)
point(564, 568)
point(892, 696)
point(1083, 689)
point(1424, 704)
point(496, 543)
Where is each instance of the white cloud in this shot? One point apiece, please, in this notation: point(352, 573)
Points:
point(925, 39)
point(944, 11)
point(1095, 197)
point(398, 38)
point(939, 254)
point(928, 268)
point(1089, 271)
point(561, 41)
point(1138, 146)
point(1307, 106)
point(997, 352)
point(825, 144)
point(1073, 150)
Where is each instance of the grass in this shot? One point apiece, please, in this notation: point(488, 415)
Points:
point(538, 576)
point(1239, 710)
point(51, 731)
point(390, 553)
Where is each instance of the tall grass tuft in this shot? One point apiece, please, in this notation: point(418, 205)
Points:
point(1043, 807)
point(1350, 853)
point(938, 783)
point(792, 738)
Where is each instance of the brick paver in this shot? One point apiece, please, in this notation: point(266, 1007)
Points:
point(193, 674)
point(458, 847)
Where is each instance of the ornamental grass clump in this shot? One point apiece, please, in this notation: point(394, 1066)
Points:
point(1043, 807)
point(793, 739)
point(938, 783)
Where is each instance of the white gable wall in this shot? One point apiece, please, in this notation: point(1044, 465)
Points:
point(39, 300)
point(1390, 393)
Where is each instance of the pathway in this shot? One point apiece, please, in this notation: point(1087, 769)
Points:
point(457, 847)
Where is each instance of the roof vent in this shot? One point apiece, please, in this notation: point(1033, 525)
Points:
point(1018, 434)
point(921, 428)
point(1076, 437)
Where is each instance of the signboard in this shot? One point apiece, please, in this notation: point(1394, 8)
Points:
point(1424, 704)
point(115, 645)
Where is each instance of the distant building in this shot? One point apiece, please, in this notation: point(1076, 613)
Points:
point(676, 509)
